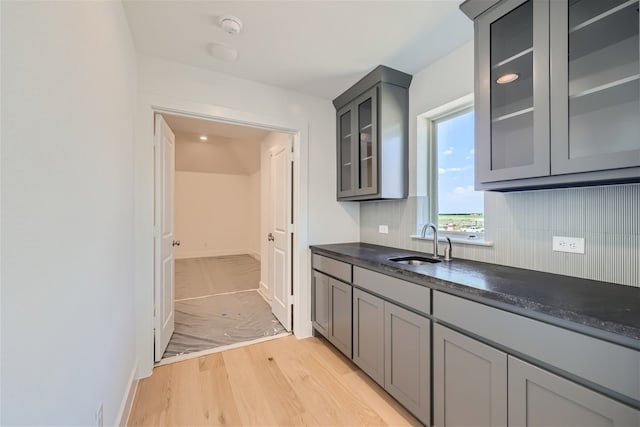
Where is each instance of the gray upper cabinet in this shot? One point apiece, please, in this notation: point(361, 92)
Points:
point(372, 119)
point(557, 92)
point(540, 398)
point(470, 381)
point(595, 105)
point(513, 116)
point(358, 147)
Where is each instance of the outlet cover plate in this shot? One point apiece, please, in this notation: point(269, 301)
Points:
point(568, 244)
point(384, 229)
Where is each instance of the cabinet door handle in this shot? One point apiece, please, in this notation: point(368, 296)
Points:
point(270, 237)
point(175, 243)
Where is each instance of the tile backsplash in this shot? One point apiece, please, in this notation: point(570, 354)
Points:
point(521, 226)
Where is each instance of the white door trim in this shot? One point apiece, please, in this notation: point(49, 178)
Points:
point(150, 103)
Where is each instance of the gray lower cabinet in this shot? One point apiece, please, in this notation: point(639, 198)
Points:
point(320, 300)
point(540, 398)
point(407, 374)
point(368, 334)
point(339, 333)
point(470, 381)
point(331, 310)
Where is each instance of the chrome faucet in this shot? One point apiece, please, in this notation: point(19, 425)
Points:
point(435, 237)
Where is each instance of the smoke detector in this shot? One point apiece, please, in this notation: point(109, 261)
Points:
point(230, 24)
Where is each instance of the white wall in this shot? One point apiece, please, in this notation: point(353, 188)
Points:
point(68, 96)
point(447, 79)
point(172, 86)
point(212, 216)
point(214, 193)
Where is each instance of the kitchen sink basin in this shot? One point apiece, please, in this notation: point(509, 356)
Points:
point(414, 260)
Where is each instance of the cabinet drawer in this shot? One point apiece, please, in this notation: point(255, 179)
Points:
point(406, 293)
point(608, 365)
point(338, 269)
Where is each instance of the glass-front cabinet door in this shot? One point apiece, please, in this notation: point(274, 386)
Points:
point(367, 144)
point(513, 91)
point(346, 168)
point(595, 85)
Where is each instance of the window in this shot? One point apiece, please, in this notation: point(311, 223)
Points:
point(459, 209)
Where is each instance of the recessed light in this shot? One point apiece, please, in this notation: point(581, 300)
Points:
point(507, 78)
point(203, 138)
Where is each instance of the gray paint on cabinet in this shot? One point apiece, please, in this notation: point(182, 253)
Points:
point(577, 137)
point(382, 172)
point(540, 398)
point(568, 352)
point(339, 270)
point(320, 306)
point(469, 381)
point(407, 359)
point(368, 334)
point(340, 316)
point(405, 293)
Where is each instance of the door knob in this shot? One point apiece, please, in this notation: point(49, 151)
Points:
point(270, 237)
point(175, 243)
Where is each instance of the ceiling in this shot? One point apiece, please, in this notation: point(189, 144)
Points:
point(186, 128)
point(229, 149)
point(315, 47)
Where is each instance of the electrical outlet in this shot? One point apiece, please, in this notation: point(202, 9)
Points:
point(568, 244)
point(384, 229)
point(99, 417)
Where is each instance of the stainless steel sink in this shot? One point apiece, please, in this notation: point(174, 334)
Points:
point(415, 260)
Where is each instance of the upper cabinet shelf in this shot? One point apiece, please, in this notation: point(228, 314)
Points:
point(557, 92)
point(372, 135)
point(606, 86)
point(588, 13)
point(597, 27)
point(513, 58)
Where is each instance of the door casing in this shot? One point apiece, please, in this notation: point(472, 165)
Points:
point(152, 103)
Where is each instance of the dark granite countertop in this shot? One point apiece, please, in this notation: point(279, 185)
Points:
point(603, 310)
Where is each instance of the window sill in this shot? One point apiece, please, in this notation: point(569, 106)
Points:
point(462, 240)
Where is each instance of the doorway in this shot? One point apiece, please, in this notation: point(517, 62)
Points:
point(227, 200)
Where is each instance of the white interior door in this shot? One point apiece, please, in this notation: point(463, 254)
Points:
point(279, 235)
point(164, 320)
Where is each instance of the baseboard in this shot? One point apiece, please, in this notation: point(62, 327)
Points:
point(255, 255)
point(127, 401)
point(213, 253)
point(263, 290)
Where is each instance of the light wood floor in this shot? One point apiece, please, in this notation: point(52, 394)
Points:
point(280, 382)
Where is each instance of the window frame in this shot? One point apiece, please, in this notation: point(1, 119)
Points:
point(447, 111)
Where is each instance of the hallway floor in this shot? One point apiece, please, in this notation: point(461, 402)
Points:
point(217, 304)
point(282, 382)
